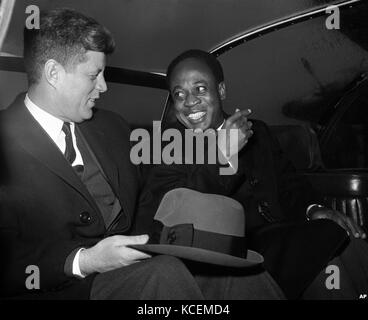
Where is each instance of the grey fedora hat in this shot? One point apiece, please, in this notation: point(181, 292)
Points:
point(201, 227)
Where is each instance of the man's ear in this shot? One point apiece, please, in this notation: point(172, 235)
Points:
point(222, 90)
point(53, 72)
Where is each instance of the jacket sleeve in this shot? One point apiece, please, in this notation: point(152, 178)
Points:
point(19, 255)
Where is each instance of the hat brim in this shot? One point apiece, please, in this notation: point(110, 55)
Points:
point(201, 255)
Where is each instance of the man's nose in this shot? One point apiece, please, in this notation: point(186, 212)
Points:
point(101, 84)
point(191, 100)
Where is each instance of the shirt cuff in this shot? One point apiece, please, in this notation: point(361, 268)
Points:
point(76, 269)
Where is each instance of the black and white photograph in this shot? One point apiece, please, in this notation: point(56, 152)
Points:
point(184, 155)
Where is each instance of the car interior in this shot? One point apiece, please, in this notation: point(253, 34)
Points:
point(317, 112)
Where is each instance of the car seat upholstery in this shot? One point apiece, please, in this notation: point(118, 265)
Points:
point(345, 190)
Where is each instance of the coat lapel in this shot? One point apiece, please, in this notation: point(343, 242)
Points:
point(96, 143)
point(121, 175)
point(27, 133)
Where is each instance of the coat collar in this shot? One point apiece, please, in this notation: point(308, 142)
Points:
point(29, 135)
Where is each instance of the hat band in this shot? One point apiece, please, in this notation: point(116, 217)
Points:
point(186, 235)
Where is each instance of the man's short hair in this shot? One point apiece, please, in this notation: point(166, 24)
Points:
point(207, 58)
point(65, 36)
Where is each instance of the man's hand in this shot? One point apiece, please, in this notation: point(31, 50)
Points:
point(342, 220)
point(238, 121)
point(111, 253)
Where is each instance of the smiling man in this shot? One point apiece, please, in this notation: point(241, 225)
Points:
point(197, 87)
point(69, 190)
point(296, 251)
point(197, 95)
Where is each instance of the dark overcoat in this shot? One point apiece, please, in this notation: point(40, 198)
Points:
point(274, 199)
point(46, 211)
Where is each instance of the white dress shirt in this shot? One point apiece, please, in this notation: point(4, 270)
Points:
point(53, 127)
point(221, 125)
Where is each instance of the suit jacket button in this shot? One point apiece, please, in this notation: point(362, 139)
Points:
point(85, 217)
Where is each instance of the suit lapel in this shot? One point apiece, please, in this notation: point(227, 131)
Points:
point(97, 145)
point(120, 176)
point(28, 134)
point(95, 142)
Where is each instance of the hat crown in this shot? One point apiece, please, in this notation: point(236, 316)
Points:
point(206, 212)
point(202, 227)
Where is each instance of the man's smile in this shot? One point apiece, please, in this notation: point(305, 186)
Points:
point(93, 100)
point(196, 117)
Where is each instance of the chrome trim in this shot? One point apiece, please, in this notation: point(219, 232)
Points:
point(278, 24)
point(6, 10)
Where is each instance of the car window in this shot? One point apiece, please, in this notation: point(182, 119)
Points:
point(294, 74)
point(344, 139)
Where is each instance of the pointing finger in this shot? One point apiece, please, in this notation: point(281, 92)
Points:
point(237, 115)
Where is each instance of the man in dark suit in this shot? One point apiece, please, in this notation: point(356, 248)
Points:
point(275, 203)
point(68, 188)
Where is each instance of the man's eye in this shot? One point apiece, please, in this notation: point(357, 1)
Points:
point(201, 89)
point(179, 95)
point(93, 76)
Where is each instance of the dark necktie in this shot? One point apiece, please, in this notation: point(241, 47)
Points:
point(69, 149)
